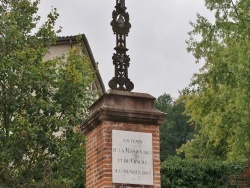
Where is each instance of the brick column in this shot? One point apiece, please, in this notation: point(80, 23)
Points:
point(123, 111)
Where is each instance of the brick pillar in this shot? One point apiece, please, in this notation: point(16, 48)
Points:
point(132, 158)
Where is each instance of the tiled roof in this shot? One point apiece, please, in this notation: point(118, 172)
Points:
point(68, 38)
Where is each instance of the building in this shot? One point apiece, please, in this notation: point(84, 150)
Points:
point(64, 44)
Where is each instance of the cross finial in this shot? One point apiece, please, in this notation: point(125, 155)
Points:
point(121, 26)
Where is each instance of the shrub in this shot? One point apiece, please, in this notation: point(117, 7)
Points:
point(193, 173)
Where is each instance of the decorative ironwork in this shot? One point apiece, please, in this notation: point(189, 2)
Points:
point(121, 26)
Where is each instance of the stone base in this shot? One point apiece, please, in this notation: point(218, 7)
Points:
point(118, 110)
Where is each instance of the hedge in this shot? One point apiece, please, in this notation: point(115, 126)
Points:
point(192, 173)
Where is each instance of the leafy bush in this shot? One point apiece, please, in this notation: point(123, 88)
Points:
point(192, 173)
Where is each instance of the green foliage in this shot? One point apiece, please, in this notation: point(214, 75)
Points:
point(218, 100)
point(191, 173)
point(174, 131)
point(40, 102)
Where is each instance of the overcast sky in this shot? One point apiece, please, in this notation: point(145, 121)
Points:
point(156, 42)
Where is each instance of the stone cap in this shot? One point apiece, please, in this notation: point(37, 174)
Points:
point(123, 106)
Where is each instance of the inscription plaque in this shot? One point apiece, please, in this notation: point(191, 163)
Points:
point(132, 157)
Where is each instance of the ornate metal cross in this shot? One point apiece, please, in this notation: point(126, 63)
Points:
point(121, 26)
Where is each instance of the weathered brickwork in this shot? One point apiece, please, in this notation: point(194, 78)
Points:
point(99, 156)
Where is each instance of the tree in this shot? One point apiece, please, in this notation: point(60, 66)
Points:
point(218, 100)
point(40, 102)
point(175, 131)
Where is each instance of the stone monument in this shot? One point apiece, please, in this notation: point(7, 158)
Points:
point(122, 132)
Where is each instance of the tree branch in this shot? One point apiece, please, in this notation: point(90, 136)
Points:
point(237, 13)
